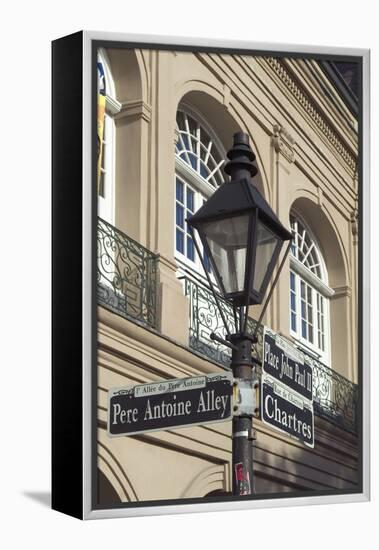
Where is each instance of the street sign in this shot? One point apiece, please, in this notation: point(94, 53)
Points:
point(287, 398)
point(287, 412)
point(286, 364)
point(170, 404)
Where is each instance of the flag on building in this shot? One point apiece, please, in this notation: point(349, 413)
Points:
point(101, 99)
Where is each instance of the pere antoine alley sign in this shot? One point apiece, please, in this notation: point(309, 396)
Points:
point(286, 393)
point(170, 404)
point(286, 397)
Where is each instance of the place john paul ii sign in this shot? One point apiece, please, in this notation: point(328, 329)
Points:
point(287, 399)
point(170, 404)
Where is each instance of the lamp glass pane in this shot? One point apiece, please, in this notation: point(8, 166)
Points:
point(266, 245)
point(227, 241)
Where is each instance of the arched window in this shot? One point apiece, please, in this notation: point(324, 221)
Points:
point(309, 292)
point(199, 158)
point(106, 137)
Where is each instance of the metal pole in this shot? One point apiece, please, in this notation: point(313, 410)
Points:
point(242, 463)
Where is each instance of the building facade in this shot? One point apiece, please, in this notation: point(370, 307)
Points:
point(169, 120)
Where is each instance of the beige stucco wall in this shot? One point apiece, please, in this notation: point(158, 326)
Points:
point(306, 148)
point(193, 462)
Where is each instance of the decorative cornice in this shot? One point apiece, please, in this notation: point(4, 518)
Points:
point(168, 263)
point(283, 142)
point(312, 111)
point(312, 278)
point(342, 291)
point(135, 108)
point(112, 106)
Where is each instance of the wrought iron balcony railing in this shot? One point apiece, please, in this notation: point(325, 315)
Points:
point(334, 396)
point(126, 275)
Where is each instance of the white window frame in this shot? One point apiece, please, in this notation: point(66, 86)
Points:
point(106, 204)
point(318, 286)
point(202, 189)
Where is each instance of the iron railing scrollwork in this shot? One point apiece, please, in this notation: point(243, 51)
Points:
point(126, 275)
point(205, 318)
point(335, 397)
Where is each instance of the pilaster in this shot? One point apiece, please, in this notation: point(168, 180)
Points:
point(132, 168)
point(283, 145)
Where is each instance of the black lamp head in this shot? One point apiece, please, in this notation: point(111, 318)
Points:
point(240, 233)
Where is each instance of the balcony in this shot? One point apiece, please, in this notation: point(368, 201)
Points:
point(127, 286)
point(126, 275)
point(334, 396)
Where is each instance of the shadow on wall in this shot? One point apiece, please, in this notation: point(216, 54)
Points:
point(107, 496)
point(281, 465)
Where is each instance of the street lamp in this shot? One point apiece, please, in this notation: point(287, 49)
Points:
point(242, 238)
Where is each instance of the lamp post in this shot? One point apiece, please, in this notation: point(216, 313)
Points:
point(241, 238)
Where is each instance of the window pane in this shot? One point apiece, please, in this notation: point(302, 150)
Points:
point(207, 262)
point(180, 216)
point(192, 124)
point(192, 158)
point(303, 309)
point(309, 313)
point(185, 141)
point(190, 199)
point(292, 280)
point(179, 191)
point(204, 146)
point(309, 292)
point(179, 241)
point(204, 171)
point(194, 145)
point(293, 322)
point(190, 249)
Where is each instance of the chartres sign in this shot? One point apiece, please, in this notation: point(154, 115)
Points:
point(287, 399)
point(170, 404)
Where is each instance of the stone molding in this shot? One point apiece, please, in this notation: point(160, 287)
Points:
point(135, 108)
point(226, 96)
point(283, 142)
point(312, 111)
point(342, 291)
point(112, 106)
